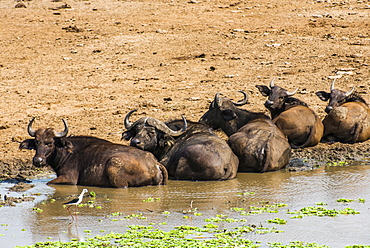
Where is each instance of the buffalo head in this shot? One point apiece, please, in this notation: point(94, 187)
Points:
point(336, 97)
point(221, 111)
point(277, 96)
point(148, 133)
point(45, 141)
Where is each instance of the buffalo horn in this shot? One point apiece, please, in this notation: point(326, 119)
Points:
point(64, 132)
point(292, 92)
point(30, 130)
point(332, 85)
point(350, 92)
point(128, 124)
point(161, 126)
point(243, 101)
point(217, 100)
point(272, 82)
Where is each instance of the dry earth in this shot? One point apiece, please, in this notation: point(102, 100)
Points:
point(91, 62)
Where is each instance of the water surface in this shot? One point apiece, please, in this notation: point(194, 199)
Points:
point(23, 226)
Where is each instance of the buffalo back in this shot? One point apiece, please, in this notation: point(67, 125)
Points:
point(260, 147)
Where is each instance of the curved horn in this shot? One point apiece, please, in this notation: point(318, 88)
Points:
point(332, 85)
point(64, 132)
point(243, 101)
point(292, 92)
point(30, 130)
point(350, 92)
point(272, 82)
point(164, 128)
point(217, 100)
point(128, 124)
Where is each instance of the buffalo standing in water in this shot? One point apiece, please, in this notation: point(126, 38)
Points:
point(189, 150)
point(255, 139)
point(91, 161)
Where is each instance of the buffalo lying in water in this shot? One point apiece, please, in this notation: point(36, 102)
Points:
point(298, 122)
point(255, 139)
point(91, 161)
point(189, 150)
point(348, 118)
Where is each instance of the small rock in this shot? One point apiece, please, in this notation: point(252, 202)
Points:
point(74, 29)
point(357, 55)
point(344, 72)
point(21, 187)
point(20, 5)
point(273, 45)
point(334, 77)
point(160, 31)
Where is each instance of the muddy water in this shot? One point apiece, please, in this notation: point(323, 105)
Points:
point(22, 226)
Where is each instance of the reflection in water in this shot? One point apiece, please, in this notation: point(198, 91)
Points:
point(297, 189)
point(73, 233)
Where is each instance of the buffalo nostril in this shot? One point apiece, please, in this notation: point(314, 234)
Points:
point(328, 109)
point(269, 103)
point(37, 160)
point(135, 142)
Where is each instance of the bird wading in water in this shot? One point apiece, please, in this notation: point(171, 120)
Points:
point(75, 202)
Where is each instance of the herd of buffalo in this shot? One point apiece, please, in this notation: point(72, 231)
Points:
point(185, 150)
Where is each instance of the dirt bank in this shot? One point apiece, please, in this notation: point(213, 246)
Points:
point(91, 62)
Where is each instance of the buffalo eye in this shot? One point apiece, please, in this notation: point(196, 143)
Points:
point(228, 115)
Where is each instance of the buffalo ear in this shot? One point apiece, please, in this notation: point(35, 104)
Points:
point(127, 135)
point(28, 144)
point(166, 140)
point(65, 144)
point(324, 96)
point(265, 91)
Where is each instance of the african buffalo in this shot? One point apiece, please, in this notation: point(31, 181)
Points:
point(223, 113)
point(189, 150)
point(254, 138)
point(348, 118)
point(91, 161)
point(298, 122)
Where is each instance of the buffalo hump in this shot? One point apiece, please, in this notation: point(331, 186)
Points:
point(260, 147)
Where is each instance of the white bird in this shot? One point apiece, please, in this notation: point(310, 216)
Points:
point(75, 202)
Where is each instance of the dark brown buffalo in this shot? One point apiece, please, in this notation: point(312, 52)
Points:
point(254, 138)
point(189, 150)
point(348, 118)
point(298, 122)
point(91, 161)
point(223, 113)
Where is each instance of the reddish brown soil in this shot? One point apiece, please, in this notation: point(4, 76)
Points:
point(91, 62)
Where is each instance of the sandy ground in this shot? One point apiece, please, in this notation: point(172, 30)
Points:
point(91, 62)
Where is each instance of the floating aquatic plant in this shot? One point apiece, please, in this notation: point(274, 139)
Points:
point(151, 199)
point(321, 211)
point(296, 244)
point(265, 208)
point(277, 221)
point(345, 200)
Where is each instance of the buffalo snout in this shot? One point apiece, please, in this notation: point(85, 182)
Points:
point(137, 143)
point(269, 103)
point(328, 109)
point(38, 161)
